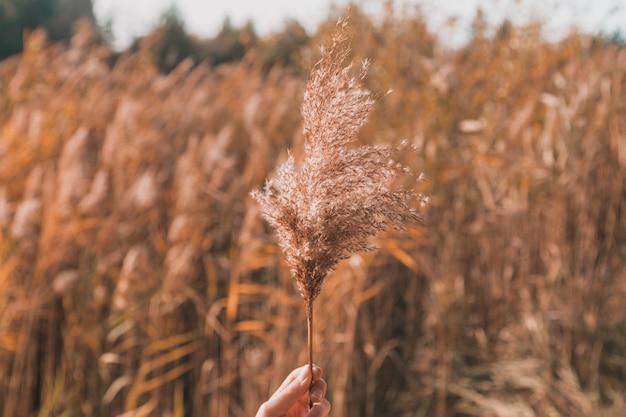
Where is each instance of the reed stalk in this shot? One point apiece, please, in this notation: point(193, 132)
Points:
point(328, 207)
point(309, 326)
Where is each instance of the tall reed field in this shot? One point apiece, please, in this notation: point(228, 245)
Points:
point(139, 278)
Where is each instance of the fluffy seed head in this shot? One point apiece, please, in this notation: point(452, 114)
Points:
point(331, 204)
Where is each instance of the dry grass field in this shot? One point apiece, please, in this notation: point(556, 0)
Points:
point(138, 278)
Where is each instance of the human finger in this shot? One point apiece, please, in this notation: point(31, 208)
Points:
point(293, 388)
point(321, 409)
point(318, 390)
point(317, 374)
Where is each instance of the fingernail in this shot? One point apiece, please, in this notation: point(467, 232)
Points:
point(316, 395)
point(304, 374)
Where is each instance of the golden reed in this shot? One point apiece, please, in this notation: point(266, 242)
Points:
point(331, 204)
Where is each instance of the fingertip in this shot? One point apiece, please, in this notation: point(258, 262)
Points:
point(321, 409)
point(317, 372)
point(325, 405)
point(316, 394)
point(318, 390)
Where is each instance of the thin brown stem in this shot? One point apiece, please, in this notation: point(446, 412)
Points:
point(309, 321)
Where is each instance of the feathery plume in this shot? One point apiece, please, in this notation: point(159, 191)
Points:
point(340, 196)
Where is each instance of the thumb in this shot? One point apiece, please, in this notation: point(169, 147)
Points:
point(294, 387)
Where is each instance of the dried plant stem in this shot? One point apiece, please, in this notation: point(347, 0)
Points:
point(309, 322)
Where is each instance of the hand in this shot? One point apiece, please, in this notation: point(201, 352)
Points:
point(291, 399)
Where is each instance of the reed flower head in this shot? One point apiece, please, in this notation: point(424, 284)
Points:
point(341, 195)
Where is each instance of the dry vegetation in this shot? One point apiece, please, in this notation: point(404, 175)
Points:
point(137, 276)
point(330, 205)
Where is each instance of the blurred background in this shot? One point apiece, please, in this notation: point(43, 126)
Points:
point(137, 277)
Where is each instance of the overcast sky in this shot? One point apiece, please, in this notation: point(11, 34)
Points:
point(205, 17)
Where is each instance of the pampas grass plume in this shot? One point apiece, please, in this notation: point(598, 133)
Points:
point(341, 195)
